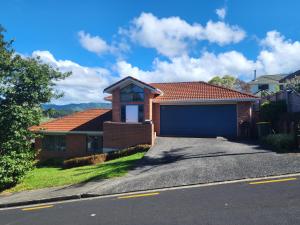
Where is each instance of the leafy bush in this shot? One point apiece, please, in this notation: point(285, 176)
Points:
point(271, 111)
point(86, 160)
point(128, 151)
point(14, 167)
point(100, 158)
point(280, 142)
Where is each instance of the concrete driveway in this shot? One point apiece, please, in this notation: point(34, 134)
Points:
point(182, 161)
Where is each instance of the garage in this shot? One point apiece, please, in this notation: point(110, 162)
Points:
point(198, 120)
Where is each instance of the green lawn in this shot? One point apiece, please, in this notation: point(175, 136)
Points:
point(55, 176)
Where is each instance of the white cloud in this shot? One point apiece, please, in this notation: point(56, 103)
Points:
point(86, 84)
point(186, 68)
point(221, 13)
point(279, 55)
point(173, 36)
point(222, 33)
point(167, 35)
point(93, 44)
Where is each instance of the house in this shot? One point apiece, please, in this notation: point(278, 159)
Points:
point(291, 78)
point(141, 111)
point(267, 83)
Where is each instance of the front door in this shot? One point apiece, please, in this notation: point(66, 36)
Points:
point(132, 114)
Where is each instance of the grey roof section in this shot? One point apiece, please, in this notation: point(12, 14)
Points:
point(268, 79)
point(291, 76)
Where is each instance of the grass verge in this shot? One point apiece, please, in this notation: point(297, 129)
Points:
point(44, 177)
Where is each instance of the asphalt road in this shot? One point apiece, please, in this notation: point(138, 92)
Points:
point(238, 203)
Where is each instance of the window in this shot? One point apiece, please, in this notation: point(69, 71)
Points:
point(132, 113)
point(263, 87)
point(281, 87)
point(132, 93)
point(94, 143)
point(54, 143)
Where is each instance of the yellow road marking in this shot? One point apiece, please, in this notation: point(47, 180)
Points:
point(139, 195)
point(37, 207)
point(273, 181)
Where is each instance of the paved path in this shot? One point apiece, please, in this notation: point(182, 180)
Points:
point(228, 204)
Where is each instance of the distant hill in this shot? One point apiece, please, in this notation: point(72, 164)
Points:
point(77, 107)
point(62, 110)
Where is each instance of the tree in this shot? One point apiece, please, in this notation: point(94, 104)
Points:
point(230, 82)
point(25, 83)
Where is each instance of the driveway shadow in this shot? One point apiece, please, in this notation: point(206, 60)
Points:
point(174, 155)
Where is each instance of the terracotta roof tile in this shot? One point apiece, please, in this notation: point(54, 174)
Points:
point(88, 120)
point(196, 91)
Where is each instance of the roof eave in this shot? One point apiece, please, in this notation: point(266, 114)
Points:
point(188, 101)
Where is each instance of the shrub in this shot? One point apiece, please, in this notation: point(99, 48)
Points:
point(271, 111)
point(14, 167)
point(100, 158)
point(128, 151)
point(280, 142)
point(84, 161)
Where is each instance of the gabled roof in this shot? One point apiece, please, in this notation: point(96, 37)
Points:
point(128, 80)
point(89, 120)
point(268, 79)
point(291, 76)
point(198, 91)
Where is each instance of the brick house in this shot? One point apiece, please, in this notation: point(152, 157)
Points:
point(142, 111)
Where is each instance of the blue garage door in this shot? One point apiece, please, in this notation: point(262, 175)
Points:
point(198, 120)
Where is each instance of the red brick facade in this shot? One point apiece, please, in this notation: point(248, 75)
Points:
point(116, 106)
point(76, 146)
point(121, 135)
point(156, 118)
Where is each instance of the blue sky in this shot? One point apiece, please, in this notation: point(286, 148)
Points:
point(103, 41)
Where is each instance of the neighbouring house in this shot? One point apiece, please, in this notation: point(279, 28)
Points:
point(291, 78)
point(141, 111)
point(266, 83)
point(75, 135)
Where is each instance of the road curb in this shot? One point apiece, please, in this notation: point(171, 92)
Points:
point(40, 201)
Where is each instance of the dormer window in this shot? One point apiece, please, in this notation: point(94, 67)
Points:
point(132, 93)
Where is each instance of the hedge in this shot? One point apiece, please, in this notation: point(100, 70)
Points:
point(100, 158)
point(280, 142)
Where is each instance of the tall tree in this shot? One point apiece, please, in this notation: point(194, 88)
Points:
point(25, 83)
point(230, 82)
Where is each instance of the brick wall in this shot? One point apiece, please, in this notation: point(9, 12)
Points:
point(75, 147)
point(121, 135)
point(148, 104)
point(116, 106)
point(244, 114)
point(156, 117)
